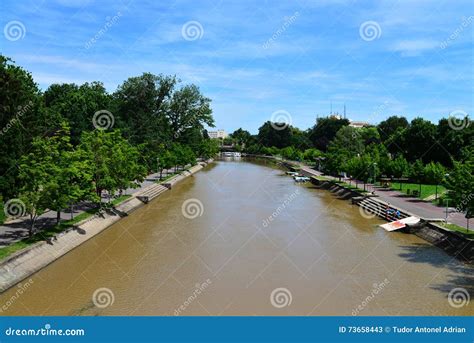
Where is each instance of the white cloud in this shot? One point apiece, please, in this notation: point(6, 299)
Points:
point(414, 47)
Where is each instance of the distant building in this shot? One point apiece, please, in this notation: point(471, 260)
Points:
point(352, 123)
point(217, 134)
point(358, 124)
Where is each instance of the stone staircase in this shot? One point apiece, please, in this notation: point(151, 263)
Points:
point(379, 208)
point(151, 193)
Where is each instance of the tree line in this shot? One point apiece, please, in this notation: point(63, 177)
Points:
point(70, 143)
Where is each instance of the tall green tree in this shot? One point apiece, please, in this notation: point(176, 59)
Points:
point(418, 173)
point(271, 135)
point(189, 109)
point(434, 175)
point(389, 127)
point(460, 184)
point(114, 162)
point(141, 104)
point(325, 130)
point(78, 104)
point(419, 141)
point(22, 118)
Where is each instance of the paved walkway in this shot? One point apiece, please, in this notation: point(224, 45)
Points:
point(414, 205)
point(16, 230)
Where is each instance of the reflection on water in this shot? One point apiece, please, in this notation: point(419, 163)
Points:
point(259, 245)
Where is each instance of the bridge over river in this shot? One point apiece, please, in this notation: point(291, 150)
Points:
point(241, 238)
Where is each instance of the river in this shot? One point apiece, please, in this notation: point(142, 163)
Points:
point(250, 242)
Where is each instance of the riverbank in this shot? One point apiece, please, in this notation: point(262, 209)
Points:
point(21, 264)
point(452, 242)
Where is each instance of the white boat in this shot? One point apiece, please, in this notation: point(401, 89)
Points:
point(400, 224)
point(301, 178)
point(292, 173)
point(231, 154)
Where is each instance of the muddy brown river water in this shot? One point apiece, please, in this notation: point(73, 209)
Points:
point(241, 238)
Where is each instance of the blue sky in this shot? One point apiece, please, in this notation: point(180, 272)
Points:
point(253, 58)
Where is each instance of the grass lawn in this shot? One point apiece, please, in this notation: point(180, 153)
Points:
point(50, 232)
point(463, 230)
point(426, 190)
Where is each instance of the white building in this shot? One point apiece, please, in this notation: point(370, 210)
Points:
point(217, 134)
point(358, 124)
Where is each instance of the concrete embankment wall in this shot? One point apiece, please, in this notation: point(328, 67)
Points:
point(450, 241)
point(26, 262)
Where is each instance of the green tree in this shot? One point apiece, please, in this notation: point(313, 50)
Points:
point(434, 175)
point(78, 104)
point(241, 137)
point(460, 184)
point(114, 162)
point(22, 118)
point(361, 168)
point(208, 148)
point(167, 160)
point(347, 142)
point(418, 140)
point(325, 130)
point(271, 135)
point(312, 155)
point(188, 109)
point(53, 175)
point(418, 173)
point(141, 104)
point(390, 126)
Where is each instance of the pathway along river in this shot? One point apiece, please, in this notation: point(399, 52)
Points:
point(316, 256)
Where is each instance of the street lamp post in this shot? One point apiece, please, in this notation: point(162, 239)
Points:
point(158, 166)
point(375, 172)
point(447, 201)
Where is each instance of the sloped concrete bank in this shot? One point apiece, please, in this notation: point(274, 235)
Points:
point(452, 242)
point(28, 261)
